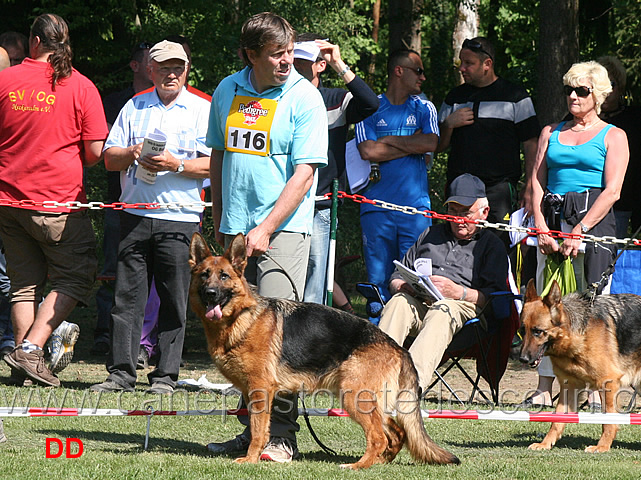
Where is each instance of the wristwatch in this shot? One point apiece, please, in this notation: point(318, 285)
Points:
point(181, 167)
point(584, 229)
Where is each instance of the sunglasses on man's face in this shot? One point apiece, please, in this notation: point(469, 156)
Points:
point(418, 71)
point(581, 91)
point(476, 46)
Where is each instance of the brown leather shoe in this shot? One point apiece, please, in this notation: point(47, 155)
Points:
point(32, 365)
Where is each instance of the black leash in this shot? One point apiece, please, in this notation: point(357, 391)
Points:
point(608, 271)
point(327, 450)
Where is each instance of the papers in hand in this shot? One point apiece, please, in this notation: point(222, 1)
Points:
point(153, 144)
point(520, 218)
point(419, 279)
point(357, 169)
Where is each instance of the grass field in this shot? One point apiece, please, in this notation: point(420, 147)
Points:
point(113, 447)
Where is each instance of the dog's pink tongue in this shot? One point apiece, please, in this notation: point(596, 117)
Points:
point(214, 312)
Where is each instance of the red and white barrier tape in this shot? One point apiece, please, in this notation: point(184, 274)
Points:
point(514, 416)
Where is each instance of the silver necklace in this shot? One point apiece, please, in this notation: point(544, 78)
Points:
point(588, 127)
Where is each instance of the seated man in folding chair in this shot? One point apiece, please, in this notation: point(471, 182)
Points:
point(468, 264)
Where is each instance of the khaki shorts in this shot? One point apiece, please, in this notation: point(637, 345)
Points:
point(38, 246)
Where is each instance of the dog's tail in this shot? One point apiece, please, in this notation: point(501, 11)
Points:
point(408, 415)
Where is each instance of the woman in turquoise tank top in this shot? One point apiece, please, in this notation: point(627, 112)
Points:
point(580, 155)
point(577, 178)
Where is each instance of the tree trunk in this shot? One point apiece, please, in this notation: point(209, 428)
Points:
point(415, 26)
point(405, 24)
point(558, 50)
point(467, 26)
point(376, 16)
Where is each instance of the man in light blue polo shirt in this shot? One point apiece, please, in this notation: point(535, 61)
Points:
point(267, 193)
point(268, 132)
point(155, 242)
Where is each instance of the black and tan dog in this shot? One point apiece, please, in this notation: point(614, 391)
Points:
point(597, 344)
point(264, 345)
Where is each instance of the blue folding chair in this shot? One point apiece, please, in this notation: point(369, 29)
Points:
point(627, 279)
point(627, 273)
point(375, 301)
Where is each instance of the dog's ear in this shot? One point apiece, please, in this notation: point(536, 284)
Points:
point(553, 298)
point(530, 292)
point(236, 253)
point(198, 250)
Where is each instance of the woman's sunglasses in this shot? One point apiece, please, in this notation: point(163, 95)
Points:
point(580, 91)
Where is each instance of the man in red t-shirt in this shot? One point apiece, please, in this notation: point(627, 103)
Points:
point(53, 125)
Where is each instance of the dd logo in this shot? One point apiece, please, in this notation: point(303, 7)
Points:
point(69, 453)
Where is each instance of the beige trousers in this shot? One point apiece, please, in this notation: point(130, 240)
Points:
point(434, 327)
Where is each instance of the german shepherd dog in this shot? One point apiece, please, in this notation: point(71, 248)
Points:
point(597, 344)
point(264, 345)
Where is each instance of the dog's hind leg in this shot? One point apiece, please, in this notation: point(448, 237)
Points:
point(365, 411)
point(608, 393)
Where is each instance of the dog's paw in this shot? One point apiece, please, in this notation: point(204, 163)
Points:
point(539, 446)
point(349, 466)
point(596, 449)
point(245, 460)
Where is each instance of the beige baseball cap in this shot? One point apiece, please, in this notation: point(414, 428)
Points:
point(166, 50)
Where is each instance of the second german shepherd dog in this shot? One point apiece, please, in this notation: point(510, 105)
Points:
point(264, 345)
point(597, 344)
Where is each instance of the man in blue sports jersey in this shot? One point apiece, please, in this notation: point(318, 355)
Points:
point(398, 137)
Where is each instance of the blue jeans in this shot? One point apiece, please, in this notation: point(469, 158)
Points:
point(159, 249)
point(316, 284)
point(386, 237)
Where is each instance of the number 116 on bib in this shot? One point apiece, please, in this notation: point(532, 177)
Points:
point(245, 140)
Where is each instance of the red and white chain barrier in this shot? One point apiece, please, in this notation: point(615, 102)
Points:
point(531, 231)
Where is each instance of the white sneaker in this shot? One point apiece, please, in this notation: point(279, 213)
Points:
point(60, 346)
point(279, 450)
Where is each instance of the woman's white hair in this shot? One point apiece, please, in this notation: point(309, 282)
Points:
point(595, 74)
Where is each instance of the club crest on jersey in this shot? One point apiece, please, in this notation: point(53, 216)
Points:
point(411, 121)
point(252, 110)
